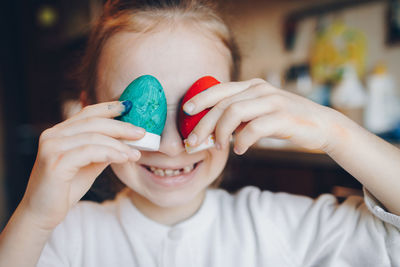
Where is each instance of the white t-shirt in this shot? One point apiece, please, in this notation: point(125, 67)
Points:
point(250, 228)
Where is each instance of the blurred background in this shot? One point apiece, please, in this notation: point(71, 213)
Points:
point(343, 54)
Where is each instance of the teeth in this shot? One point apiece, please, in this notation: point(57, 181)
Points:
point(170, 172)
point(187, 169)
point(159, 172)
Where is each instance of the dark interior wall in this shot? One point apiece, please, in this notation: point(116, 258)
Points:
point(3, 203)
point(14, 101)
point(35, 63)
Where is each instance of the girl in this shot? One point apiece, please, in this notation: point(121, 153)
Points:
point(164, 219)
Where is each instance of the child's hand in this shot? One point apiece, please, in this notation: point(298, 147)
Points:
point(254, 109)
point(71, 155)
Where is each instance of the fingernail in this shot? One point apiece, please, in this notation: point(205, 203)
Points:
point(127, 107)
point(192, 139)
point(238, 151)
point(188, 107)
point(139, 130)
point(134, 154)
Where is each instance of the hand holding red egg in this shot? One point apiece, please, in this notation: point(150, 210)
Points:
point(254, 109)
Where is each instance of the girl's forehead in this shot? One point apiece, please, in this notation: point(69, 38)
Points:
point(176, 57)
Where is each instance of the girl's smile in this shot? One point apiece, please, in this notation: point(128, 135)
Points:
point(177, 57)
point(170, 176)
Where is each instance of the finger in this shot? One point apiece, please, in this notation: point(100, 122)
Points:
point(70, 142)
point(103, 110)
point(205, 126)
point(110, 127)
point(272, 125)
point(239, 112)
point(106, 110)
point(217, 93)
point(85, 179)
point(77, 158)
point(208, 123)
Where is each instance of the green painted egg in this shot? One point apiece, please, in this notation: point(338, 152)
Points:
point(149, 105)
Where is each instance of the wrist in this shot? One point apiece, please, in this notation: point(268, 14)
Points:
point(22, 240)
point(339, 133)
point(32, 219)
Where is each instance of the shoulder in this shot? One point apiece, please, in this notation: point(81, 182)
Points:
point(84, 219)
point(87, 216)
point(248, 218)
point(91, 212)
point(284, 208)
point(82, 227)
point(251, 197)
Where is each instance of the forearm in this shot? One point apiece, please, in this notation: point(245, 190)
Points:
point(371, 160)
point(22, 240)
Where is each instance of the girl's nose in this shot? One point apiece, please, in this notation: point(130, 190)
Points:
point(171, 141)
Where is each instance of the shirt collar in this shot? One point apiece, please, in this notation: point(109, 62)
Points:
point(136, 223)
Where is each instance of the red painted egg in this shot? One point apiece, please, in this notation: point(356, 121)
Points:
point(185, 121)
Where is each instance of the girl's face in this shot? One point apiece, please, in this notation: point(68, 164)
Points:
point(177, 58)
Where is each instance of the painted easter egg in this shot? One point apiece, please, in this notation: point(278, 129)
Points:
point(149, 110)
point(187, 122)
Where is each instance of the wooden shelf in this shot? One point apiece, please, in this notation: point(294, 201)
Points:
point(287, 146)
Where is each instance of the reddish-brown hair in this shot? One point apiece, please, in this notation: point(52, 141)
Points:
point(142, 16)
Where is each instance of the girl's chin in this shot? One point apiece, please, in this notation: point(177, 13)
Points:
point(171, 201)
